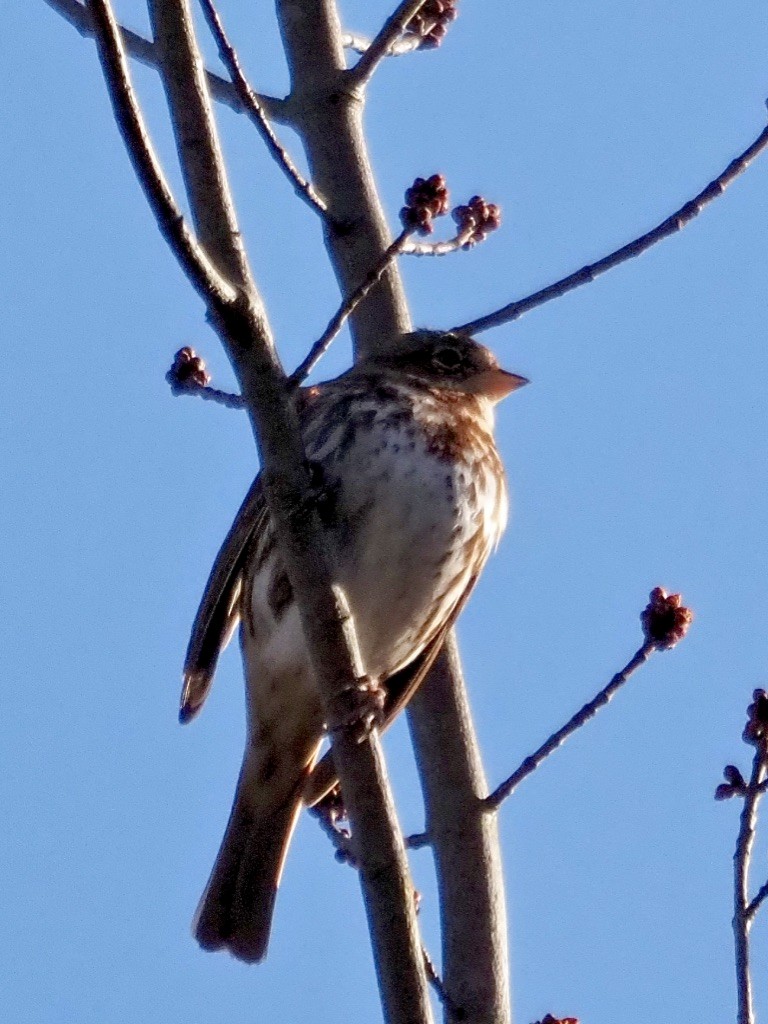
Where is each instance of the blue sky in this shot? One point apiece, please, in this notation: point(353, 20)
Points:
point(636, 458)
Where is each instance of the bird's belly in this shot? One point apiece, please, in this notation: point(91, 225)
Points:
point(401, 552)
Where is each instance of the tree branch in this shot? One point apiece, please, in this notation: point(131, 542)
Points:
point(190, 386)
point(665, 621)
point(197, 141)
point(465, 846)
point(205, 278)
point(759, 898)
point(143, 50)
point(588, 711)
point(390, 33)
point(744, 910)
point(670, 226)
point(255, 111)
point(326, 620)
point(742, 918)
point(347, 308)
point(450, 245)
point(328, 118)
point(452, 1011)
point(361, 44)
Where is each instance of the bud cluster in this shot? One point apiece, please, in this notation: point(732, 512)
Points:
point(425, 199)
point(756, 729)
point(665, 619)
point(430, 23)
point(756, 735)
point(188, 371)
point(478, 218)
point(734, 784)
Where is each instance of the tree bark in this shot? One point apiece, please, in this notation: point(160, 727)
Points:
point(465, 843)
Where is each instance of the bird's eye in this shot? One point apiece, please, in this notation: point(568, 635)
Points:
point(447, 359)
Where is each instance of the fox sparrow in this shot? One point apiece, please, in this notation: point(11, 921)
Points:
point(413, 502)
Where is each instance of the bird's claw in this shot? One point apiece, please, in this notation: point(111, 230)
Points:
point(358, 709)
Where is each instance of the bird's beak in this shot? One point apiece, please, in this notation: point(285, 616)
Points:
point(496, 383)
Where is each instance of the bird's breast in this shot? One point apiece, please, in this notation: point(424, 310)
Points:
point(417, 509)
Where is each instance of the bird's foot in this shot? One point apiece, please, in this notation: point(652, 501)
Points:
point(358, 709)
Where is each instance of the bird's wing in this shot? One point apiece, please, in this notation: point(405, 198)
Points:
point(400, 687)
point(219, 611)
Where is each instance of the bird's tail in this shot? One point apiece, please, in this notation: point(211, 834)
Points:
point(235, 911)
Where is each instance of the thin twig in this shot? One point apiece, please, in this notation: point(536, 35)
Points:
point(361, 44)
point(436, 982)
point(204, 276)
point(417, 840)
point(742, 918)
point(668, 227)
point(346, 309)
point(225, 398)
point(145, 51)
point(532, 762)
point(255, 110)
point(389, 35)
point(439, 248)
point(761, 894)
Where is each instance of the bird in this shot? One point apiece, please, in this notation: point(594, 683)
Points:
point(413, 501)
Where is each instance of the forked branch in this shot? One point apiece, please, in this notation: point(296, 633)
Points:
point(204, 276)
point(347, 308)
point(751, 792)
point(326, 621)
point(145, 51)
point(255, 110)
point(391, 32)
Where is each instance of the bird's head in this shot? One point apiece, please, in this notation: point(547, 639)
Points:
point(455, 362)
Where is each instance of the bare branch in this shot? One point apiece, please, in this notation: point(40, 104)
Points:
point(346, 309)
point(742, 919)
point(668, 227)
point(361, 44)
point(197, 143)
point(255, 110)
point(204, 276)
point(417, 840)
point(336, 149)
point(452, 1011)
point(325, 617)
point(450, 245)
point(762, 892)
point(588, 711)
point(341, 170)
point(665, 621)
point(464, 843)
point(225, 398)
point(328, 813)
point(391, 31)
point(329, 121)
point(144, 51)
point(752, 792)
